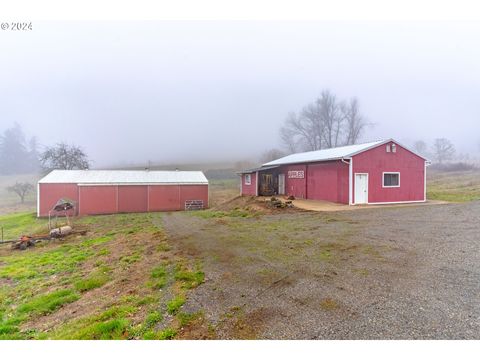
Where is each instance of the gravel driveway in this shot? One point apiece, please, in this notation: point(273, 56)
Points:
point(382, 273)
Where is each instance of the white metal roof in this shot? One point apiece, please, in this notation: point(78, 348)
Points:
point(124, 177)
point(330, 154)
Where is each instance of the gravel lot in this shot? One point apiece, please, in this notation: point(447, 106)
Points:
point(382, 273)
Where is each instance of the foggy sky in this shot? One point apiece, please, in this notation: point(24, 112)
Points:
point(203, 91)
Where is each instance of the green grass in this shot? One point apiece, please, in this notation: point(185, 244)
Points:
point(455, 186)
point(47, 303)
point(39, 281)
point(158, 277)
point(453, 195)
point(98, 240)
point(189, 279)
point(15, 225)
point(153, 319)
point(130, 259)
point(167, 334)
point(96, 280)
point(175, 304)
point(110, 324)
point(38, 264)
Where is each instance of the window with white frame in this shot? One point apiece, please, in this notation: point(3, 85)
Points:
point(248, 179)
point(391, 179)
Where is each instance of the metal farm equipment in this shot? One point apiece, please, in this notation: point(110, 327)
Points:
point(62, 207)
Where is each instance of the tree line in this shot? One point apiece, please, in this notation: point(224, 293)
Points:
point(329, 121)
point(19, 155)
point(22, 155)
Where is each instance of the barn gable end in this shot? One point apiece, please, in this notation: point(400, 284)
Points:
point(371, 173)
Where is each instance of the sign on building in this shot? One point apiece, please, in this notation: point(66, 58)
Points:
point(296, 174)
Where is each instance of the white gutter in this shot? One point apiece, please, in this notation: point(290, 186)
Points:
point(350, 179)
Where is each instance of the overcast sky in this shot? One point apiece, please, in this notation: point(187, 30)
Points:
point(203, 91)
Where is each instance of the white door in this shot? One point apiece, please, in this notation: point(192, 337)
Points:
point(361, 188)
point(281, 184)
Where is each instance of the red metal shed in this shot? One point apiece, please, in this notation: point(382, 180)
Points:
point(119, 191)
point(380, 172)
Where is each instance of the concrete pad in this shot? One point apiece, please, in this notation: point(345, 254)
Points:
point(320, 205)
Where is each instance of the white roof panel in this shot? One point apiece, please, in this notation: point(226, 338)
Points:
point(124, 177)
point(326, 154)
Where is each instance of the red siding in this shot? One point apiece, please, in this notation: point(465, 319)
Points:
point(249, 189)
point(328, 181)
point(164, 197)
point(132, 198)
point(109, 199)
point(193, 192)
point(377, 160)
point(49, 194)
point(97, 200)
point(295, 186)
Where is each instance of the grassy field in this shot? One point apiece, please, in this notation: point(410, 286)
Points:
point(119, 281)
point(127, 279)
point(9, 201)
point(454, 186)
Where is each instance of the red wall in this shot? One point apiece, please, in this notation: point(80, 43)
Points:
point(164, 198)
point(193, 192)
point(49, 194)
point(249, 189)
point(132, 198)
point(294, 186)
point(111, 199)
point(97, 200)
point(173, 197)
point(328, 181)
point(377, 160)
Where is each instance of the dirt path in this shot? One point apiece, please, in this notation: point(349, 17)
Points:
point(409, 272)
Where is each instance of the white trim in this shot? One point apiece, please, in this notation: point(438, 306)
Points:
point(425, 183)
point(350, 182)
point(355, 175)
point(38, 199)
point(138, 184)
point(249, 176)
point(256, 183)
point(390, 186)
point(284, 183)
point(396, 202)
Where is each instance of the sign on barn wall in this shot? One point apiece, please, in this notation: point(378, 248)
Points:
point(296, 174)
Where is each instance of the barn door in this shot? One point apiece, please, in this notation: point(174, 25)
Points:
point(361, 188)
point(281, 184)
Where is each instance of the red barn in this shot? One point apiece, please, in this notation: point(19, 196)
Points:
point(119, 191)
point(380, 172)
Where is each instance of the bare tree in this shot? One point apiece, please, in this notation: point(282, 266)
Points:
point(324, 123)
point(443, 150)
point(420, 147)
point(65, 157)
point(271, 155)
point(355, 123)
point(21, 189)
